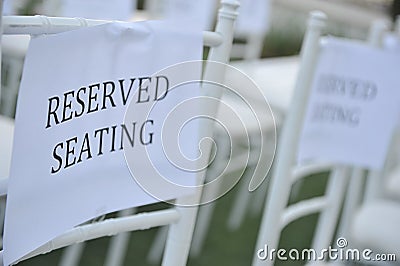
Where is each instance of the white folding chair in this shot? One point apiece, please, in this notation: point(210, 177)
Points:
point(247, 47)
point(275, 76)
point(371, 210)
point(391, 185)
point(277, 215)
point(251, 29)
point(180, 219)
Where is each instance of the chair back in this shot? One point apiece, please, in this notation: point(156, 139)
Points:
point(181, 219)
point(277, 213)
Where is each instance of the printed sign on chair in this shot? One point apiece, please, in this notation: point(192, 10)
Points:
point(353, 106)
point(68, 162)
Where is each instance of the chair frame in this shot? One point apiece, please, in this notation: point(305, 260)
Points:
point(276, 214)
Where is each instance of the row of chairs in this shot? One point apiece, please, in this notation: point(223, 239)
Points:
point(246, 51)
point(280, 184)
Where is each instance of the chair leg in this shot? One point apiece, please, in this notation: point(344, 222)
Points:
point(2, 216)
point(206, 211)
point(240, 204)
point(259, 200)
point(202, 227)
point(119, 244)
point(242, 200)
point(157, 248)
point(328, 219)
point(352, 200)
point(72, 254)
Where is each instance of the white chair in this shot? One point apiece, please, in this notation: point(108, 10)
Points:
point(240, 153)
point(371, 215)
point(274, 76)
point(252, 27)
point(276, 213)
point(246, 51)
point(180, 219)
point(250, 32)
point(275, 217)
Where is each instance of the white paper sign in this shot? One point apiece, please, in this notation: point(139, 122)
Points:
point(353, 106)
point(254, 17)
point(199, 14)
point(68, 163)
point(99, 9)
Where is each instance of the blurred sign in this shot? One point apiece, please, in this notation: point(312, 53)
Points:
point(68, 162)
point(353, 107)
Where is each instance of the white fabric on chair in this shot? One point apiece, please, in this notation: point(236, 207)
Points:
point(108, 172)
point(376, 227)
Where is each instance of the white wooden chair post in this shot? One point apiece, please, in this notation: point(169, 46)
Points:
point(279, 191)
point(181, 242)
point(3, 183)
point(247, 53)
point(225, 18)
point(181, 219)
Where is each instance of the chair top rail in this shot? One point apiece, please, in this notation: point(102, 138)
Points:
point(36, 25)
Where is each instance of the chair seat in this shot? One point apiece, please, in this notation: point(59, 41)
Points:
point(376, 226)
point(252, 123)
point(275, 76)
